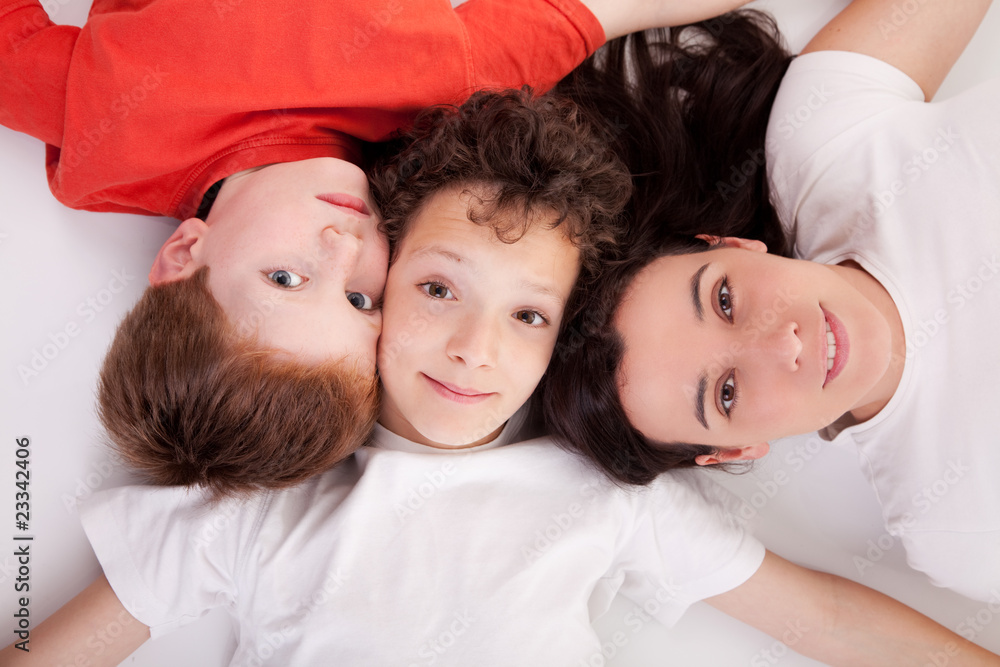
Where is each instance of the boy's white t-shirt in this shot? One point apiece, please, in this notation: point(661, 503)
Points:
point(863, 169)
point(503, 556)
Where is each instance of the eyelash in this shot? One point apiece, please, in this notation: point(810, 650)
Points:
point(731, 293)
point(424, 288)
point(545, 320)
point(267, 276)
point(736, 395)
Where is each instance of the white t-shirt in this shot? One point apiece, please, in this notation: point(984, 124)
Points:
point(499, 557)
point(863, 169)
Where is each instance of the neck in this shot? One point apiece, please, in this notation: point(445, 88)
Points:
point(880, 395)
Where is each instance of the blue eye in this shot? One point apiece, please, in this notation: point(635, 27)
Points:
point(437, 291)
point(283, 278)
point(360, 301)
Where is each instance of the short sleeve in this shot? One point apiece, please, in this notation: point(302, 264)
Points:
point(34, 64)
point(833, 104)
point(687, 545)
point(553, 37)
point(169, 555)
point(935, 552)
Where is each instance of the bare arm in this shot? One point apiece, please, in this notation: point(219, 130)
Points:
point(620, 17)
point(924, 44)
point(841, 622)
point(93, 629)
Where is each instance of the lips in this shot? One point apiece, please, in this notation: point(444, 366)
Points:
point(455, 393)
point(349, 203)
point(837, 347)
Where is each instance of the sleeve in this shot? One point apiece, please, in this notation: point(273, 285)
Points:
point(936, 552)
point(833, 106)
point(551, 39)
point(405, 56)
point(169, 556)
point(688, 545)
point(34, 64)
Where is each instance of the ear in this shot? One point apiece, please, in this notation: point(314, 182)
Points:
point(730, 454)
point(176, 261)
point(734, 242)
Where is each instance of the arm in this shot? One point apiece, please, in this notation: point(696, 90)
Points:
point(841, 622)
point(93, 629)
point(620, 18)
point(34, 63)
point(924, 45)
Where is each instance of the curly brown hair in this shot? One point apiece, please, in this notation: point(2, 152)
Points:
point(186, 400)
point(517, 154)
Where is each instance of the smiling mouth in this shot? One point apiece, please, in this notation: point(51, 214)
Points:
point(837, 347)
point(353, 205)
point(455, 393)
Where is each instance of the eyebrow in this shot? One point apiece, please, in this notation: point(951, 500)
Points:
point(696, 292)
point(440, 252)
point(543, 290)
point(699, 403)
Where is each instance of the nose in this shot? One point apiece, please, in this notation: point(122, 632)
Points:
point(780, 345)
point(339, 252)
point(474, 342)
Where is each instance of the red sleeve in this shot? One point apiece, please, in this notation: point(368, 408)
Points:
point(405, 55)
point(34, 62)
point(535, 42)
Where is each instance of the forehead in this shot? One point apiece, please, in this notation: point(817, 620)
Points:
point(661, 294)
point(660, 331)
point(443, 224)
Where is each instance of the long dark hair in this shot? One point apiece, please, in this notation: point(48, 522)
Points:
point(687, 110)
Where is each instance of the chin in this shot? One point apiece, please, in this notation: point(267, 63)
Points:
point(445, 437)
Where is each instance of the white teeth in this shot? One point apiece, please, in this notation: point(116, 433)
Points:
point(831, 347)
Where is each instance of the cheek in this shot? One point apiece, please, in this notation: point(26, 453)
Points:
point(789, 411)
point(376, 264)
point(528, 363)
point(367, 359)
point(410, 324)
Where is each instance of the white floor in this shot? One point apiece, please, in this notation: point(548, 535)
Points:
point(73, 275)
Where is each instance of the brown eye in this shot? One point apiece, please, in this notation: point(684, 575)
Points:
point(726, 300)
point(437, 291)
point(727, 395)
point(529, 317)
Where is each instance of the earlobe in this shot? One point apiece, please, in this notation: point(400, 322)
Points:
point(733, 454)
point(176, 259)
point(734, 242)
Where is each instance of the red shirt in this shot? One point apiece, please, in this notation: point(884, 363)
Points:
point(153, 101)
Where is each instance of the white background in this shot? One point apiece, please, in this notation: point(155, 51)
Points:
point(811, 504)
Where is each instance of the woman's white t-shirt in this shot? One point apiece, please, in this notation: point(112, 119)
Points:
point(863, 169)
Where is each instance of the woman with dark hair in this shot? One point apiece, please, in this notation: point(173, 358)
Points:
point(700, 347)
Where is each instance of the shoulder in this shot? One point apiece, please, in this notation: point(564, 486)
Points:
point(826, 95)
